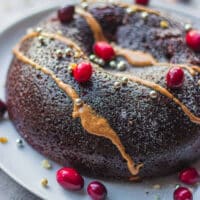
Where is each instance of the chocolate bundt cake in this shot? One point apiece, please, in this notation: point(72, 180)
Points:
point(135, 115)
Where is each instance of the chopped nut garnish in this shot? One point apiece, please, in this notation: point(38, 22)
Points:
point(46, 164)
point(3, 140)
point(44, 182)
point(164, 24)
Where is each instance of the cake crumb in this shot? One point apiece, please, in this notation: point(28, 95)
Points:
point(156, 186)
point(157, 197)
point(46, 164)
point(3, 140)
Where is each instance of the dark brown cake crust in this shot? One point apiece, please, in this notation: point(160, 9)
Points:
point(155, 132)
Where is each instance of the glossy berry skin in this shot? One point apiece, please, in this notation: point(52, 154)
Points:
point(97, 191)
point(104, 50)
point(189, 176)
point(69, 179)
point(82, 72)
point(182, 193)
point(193, 40)
point(66, 14)
point(175, 77)
point(142, 2)
point(3, 108)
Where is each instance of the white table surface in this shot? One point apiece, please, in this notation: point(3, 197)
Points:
point(11, 11)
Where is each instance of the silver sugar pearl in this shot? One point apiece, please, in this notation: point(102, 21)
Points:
point(129, 10)
point(124, 80)
point(41, 40)
point(121, 66)
point(101, 62)
point(92, 57)
point(144, 15)
point(96, 60)
point(78, 102)
point(38, 45)
point(153, 94)
point(68, 52)
point(188, 27)
point(113, 64)
point(177, 186)
point(39, 29)
point(84, 5)
point(117, 85)
point(19, 142)
point(70, 70)
point(59, 53)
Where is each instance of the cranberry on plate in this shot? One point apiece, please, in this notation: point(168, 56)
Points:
point(97, 191)
point(3, 108)
point(189, 176)
point(69, 179)
point(182, 193)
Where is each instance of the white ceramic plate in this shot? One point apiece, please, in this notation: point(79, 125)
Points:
point(24, 164)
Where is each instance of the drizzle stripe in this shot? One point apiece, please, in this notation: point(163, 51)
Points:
point(92, 22)
point(136, 58)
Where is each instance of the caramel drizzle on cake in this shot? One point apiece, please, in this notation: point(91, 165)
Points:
point(90, 120)
point(137, 58)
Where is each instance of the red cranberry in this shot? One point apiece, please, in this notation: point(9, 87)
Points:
point(82, 72)
point(189, 176)
point(193, 39)
point(70, 179)
point(182, 193)
point(175, 77)
point(3, 108)
point(104, 50)
point(66, 14)
point(142, 2)
point(97, 190)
